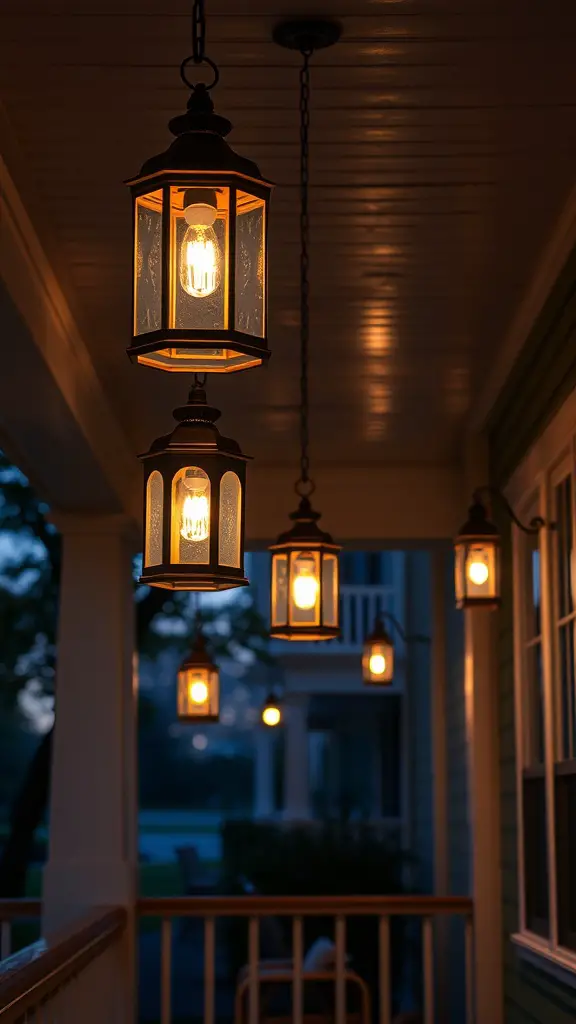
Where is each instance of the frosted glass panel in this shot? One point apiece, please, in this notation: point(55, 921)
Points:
point(190, 517)
point(279, 590)
point(148, 269)
point(229, 540)
point(199, 262)
point(154, 516)
point(330, 590)
point(250, 265)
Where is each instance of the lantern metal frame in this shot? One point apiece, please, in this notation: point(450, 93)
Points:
point(479, 532)
point(199, 159)
point(381, 637)
point(199, 660)
point(195, 443)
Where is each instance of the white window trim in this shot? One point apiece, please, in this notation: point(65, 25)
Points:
point(556, 445)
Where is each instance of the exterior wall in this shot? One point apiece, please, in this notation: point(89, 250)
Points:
point(543, 377)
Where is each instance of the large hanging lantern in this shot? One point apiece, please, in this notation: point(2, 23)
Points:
point(194, 482)
point(304, 593)
point(198, 684)
point(200, 245)
point(378, 657)
point(304, 586)
point(477, 561)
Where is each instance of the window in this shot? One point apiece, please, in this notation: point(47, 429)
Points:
point(545, 679)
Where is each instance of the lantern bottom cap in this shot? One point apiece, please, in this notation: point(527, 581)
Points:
point(203, 584)
point(489, 603)
point(316, 633)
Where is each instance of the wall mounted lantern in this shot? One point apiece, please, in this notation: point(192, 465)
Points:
point(378, 654)
point(304, 585)
point(194, 483)
point(200, 214)
point(198, 683)
point(477, 549)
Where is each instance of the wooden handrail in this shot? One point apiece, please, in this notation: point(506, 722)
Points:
point(299, 906)
point(14, 910)
point(29, 977)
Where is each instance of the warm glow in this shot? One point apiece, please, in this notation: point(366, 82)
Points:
point(305, 588)
point(198, 692)
point(377, 664)
point(195, 523)
point(200, 260)
point(271, 715)
point(477, 572)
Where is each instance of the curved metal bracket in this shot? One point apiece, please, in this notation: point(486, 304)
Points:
point(417, 638)
point(536, 524)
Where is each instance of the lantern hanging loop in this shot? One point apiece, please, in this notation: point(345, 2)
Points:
point(535, 524)
point(198, 55)
point(200, 380)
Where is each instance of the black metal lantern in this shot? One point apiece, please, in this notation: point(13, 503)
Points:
point(194, 482)
point(198, 684)
point(304, 593)
point(272, 711)
point(378, 657)
point(304, 586)
point(477, 560)
point(200, 245)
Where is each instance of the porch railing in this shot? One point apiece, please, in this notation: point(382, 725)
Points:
point(16, 912)
point(71, 979)
point(257, 977)
point(359, 607)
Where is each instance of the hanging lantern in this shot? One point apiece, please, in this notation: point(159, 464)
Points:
point(378, 657)
point(272, 711)
point(194, 482)
point(477, 561)
point(198, 685)
point(304, 594)
point(200, 245)
point(304, 587)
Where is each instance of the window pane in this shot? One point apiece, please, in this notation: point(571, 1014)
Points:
point(250, 265)
point(229, 540)
point(566, 671)
point(190, 517)
point(279, 590)
point(535, 854)
point(532, 586)
point(330, 590)
point(148, 259)
point(534, 707)
point(154, 518)
point(304, 588)
point(564, 546)
point(565, 792)
point(199, 260)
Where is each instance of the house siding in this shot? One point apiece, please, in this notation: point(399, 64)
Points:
point(543, 377)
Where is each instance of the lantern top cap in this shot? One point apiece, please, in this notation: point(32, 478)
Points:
point(195, 430)
point(379, 634)
point(478, 525)
point(199, 144)
point(305, 529)
point(198, 657)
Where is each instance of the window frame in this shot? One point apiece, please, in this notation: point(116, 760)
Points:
point(532, 492)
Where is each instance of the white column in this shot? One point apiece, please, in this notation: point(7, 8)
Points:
point(263, 772)
point(440, 770)
point(481, 684)
point(296, 783)
point(93, 805)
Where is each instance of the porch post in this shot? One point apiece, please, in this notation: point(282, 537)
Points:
point(93, 808)
point(481, 693)
point(296, 783)
point(440, 768)
point(263, 772)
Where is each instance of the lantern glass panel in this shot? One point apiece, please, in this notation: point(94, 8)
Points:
point(230, 520)
point(154, 519)
point(250, 264)
point(480, 570)
point(279, 589)
point(305, 588)
point(329, 590)
point(148, 263)
point(199, 238)
point(198, 695)
point(378, 663)
point(190, 511)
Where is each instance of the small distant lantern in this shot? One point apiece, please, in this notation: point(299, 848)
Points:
point(272, 711)
point(198, 685)
point(200, 250)
point(194, 483)
point(378, 657)
point(304, 594)
point(477, 561)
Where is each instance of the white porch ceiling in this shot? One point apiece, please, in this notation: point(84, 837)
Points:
point(443, 150)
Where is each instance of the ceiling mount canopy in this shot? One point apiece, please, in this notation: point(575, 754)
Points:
point(200, 242)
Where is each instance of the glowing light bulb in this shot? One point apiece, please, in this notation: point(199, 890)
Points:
point(198, 692)
point(195, 521)
point(477, 572)
point(200, 255)
point(305, 585)
point(377, 664)
point(271, 716)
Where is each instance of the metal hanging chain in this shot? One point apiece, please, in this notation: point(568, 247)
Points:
point(304, 485)
point(198, 55)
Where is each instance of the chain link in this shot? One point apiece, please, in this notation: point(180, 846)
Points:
point(198, 31)
point(304, 270)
